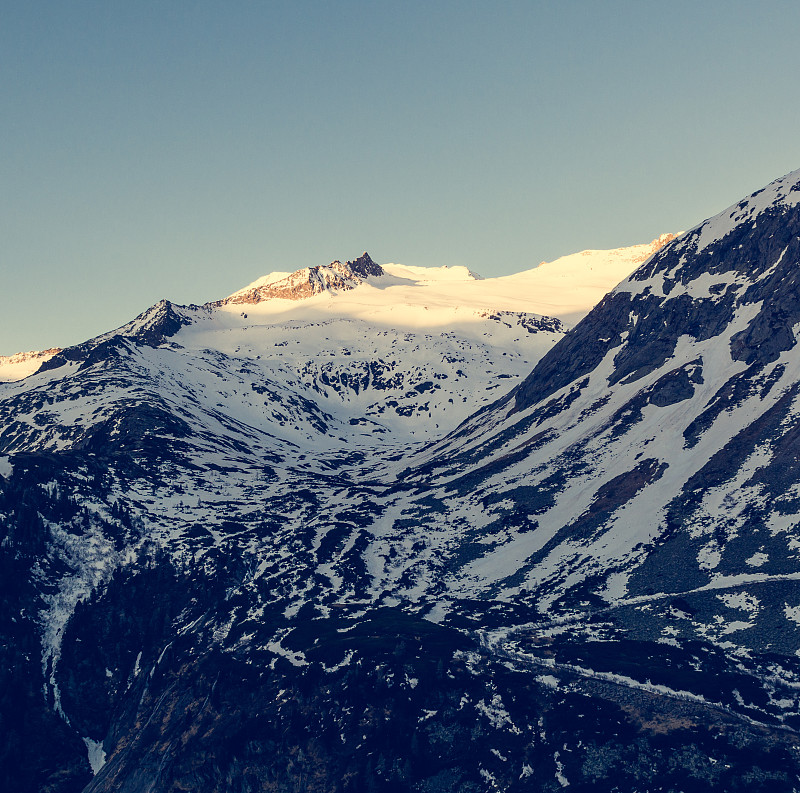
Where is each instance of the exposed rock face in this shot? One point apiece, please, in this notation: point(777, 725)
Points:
point(310, 281)
point(364, 267)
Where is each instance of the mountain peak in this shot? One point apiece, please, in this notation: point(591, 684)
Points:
point(309, 281)
point(364, 266)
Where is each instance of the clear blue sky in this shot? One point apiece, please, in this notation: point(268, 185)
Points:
point(182, 149)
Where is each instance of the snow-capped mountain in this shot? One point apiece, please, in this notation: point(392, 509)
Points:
point(399, 295)
point(376, 353)
point(238, 552)
point(22, 364)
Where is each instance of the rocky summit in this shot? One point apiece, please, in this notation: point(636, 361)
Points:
point(309, 281)
point(367, 528)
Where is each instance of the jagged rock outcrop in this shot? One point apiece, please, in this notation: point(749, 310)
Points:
point(311, 281)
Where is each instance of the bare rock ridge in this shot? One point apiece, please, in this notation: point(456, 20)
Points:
point(310, 281)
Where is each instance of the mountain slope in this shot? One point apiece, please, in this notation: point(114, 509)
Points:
point(663, 419)
point(230, 570)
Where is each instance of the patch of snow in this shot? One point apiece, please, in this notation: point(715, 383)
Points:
point(792, 613)
point(497, 714)
point(709, 556)
point(438, 612)
point(757, 560)
point(294, 658)
point(97, 756)
point(741, 600)
point(562, 780)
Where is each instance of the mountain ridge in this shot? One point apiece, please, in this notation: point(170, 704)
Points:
point(307, 282)
point(503, 293)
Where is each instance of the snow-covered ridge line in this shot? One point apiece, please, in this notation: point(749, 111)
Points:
point(22, 364)
point(394, 295)
point(307, 282)
point(782, 192)
point(390, 294)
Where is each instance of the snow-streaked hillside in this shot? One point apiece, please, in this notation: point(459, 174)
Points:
point(651, 451)
point(356, 518)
